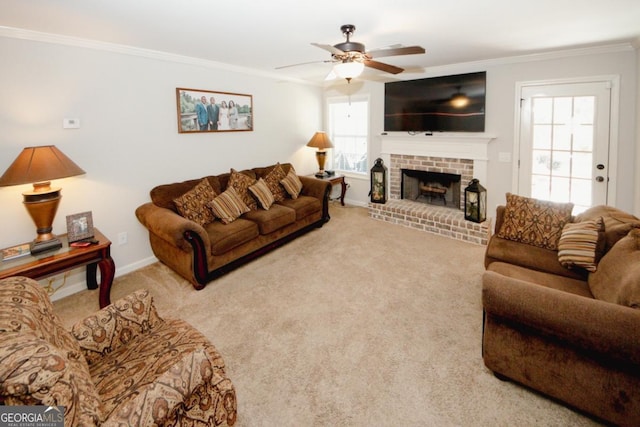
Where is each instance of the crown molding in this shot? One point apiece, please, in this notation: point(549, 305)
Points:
point(542, 56)
point(18, 33)
point(22, 34)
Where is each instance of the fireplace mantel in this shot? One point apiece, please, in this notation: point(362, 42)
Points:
point(472, 146)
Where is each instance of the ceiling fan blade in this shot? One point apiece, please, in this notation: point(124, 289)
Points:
point(302, 63)
point(328, 47)
point(383, 67)
point(409, 50)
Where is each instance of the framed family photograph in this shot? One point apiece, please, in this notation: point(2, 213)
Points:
point(208, 111)
point(79, 226)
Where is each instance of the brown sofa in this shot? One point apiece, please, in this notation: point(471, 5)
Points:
point(201, 253)
point(571, 334)
point(123, 365)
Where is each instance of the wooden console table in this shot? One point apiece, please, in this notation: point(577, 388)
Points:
point(67, 258)
point(335, 180)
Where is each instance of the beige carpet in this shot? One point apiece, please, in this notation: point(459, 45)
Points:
point(359, 323)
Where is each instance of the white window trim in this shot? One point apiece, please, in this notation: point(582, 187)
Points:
point(344, 99)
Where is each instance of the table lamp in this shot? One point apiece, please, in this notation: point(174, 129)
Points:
point(39, 165)
point(320, 141)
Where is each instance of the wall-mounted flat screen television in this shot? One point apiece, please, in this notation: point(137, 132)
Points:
point(438, 104)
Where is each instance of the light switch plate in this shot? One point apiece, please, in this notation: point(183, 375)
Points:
point(71, 123)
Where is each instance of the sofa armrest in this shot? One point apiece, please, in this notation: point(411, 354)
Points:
point(320, 190)
point(314, 187)
point(116, 325)
point(598, 327)
point(171, 227)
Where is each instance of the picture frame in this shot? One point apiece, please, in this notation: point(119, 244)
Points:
point(79, 226)
point(194, 106)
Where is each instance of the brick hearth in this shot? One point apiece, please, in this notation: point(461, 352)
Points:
point(432, 219)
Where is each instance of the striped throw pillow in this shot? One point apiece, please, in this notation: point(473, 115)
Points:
point(228, 206)
point(261, 191)
point(581, 244)
point(292, 184)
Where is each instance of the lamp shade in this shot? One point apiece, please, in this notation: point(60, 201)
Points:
point(38, 164)
point(348, 69)
point(320, 140)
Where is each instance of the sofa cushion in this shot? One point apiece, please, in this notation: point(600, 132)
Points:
point(542, 278)
point(273, 219)
point(193, 204)
point(617, 223)
point(534, 222)
point(617, 279)
point(303, 205)
point(582, 244)
point(170, 361)
point(228, 206)
point(292, 184)
point(273, 179)
point(241, 183)
point(225, 237)
point(261, 192)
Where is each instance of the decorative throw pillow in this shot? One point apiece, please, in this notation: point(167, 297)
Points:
point(273, 179)
point(228, 206)
point(241, 183)
point(534, 222)
point(261, 192)
point(581, 244)
point(617, 279)
point(292, 184)
point(193, 204)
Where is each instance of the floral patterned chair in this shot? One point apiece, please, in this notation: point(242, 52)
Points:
point(123, 365)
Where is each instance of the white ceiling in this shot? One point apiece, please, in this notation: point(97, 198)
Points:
point(271, 33)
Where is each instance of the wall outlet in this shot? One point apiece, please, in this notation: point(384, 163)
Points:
point(122, 238)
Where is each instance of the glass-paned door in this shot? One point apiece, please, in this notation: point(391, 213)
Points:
point(565, 143)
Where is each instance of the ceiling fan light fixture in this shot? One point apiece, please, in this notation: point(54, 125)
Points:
point(459, 100)
point(348, 69)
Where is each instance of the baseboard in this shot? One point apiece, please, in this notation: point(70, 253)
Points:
point(78, 281)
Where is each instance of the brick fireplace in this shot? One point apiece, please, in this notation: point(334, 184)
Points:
point(452, 154)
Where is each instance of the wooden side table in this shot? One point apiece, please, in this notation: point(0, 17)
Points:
point(67, 258)
point(337, 179)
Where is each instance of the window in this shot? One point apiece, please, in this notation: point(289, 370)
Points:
point(349, 132)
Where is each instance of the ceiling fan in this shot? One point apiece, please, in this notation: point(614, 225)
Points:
point(350, 57)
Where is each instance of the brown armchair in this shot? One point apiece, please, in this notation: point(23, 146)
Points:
point(123, 365)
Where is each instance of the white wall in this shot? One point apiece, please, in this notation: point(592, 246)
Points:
point(128, 140)
point(502, 76)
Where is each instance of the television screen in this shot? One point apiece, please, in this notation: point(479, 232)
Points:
point(438, 104)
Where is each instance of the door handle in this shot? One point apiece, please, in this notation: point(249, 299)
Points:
point(599, 178)
point(600, 166)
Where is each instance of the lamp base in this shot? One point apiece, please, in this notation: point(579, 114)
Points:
point(321, 174)
point(38, 247)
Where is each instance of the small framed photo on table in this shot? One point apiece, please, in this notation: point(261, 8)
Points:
point(79, 226)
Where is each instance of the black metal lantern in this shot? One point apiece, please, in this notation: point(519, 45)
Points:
point(475, 202)
point(378, 182)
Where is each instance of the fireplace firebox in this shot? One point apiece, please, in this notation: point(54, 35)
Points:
point(435, 188)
